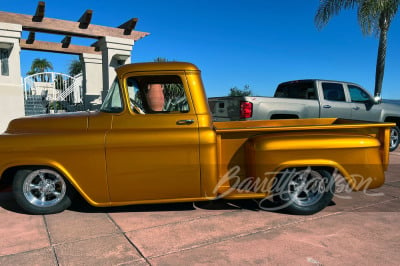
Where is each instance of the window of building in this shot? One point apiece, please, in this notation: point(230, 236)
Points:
point(4, 55)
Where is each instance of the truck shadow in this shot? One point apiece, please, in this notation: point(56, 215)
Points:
point(7, 202)
point(81, 205)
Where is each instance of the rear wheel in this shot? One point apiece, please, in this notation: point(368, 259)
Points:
point(394, 138)
point(41, 191)
point(304, 191)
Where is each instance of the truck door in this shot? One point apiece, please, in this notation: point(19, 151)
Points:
point(363, 107)
point(333, 101)
point(152, 150)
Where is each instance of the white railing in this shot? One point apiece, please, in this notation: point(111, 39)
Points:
point(53, 86)
point(73, 94)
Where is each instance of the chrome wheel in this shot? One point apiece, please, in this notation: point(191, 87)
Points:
point(303, 191)
point(306, 187)
point(394, 138)
point(44, 188)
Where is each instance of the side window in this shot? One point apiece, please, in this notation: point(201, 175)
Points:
point(113, 102)
point(157, 94)
point(333, 92)
point(358, 95)
point(297, 90)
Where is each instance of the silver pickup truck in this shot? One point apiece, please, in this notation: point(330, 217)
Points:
point(310, 98)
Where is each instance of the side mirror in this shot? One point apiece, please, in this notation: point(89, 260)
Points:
point(377, 100)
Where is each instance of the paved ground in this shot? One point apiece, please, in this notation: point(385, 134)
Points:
point(362, 230)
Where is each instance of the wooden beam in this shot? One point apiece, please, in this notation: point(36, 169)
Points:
point(57, 47)
point(129, 26)
point(66, 42)
point(84, 21)
point(96, 46)
point(65, 27)
point(39, 14)
point(31, 37)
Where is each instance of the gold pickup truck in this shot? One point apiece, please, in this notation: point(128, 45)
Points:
point(154, 141)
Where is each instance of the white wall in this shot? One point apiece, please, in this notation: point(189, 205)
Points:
point(11, 91)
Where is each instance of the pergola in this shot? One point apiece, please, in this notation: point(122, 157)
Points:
point(81, 28)
point(111, 47)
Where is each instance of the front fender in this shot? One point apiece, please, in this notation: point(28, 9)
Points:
point(99, 198)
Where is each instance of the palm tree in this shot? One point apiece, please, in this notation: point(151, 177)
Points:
point(75, 67)
point(39, 66)
point(374, 16)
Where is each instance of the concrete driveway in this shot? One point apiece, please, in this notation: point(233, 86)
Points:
point(362, 230)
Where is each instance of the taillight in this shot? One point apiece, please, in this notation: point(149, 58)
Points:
point(246, 109)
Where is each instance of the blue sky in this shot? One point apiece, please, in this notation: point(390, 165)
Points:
point(256, 42)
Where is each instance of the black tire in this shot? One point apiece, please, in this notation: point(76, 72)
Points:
point(394, 138)
point(42, 191)
point(303, 191)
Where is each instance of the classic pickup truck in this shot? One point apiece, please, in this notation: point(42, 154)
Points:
point(154, 141)
point(312, 98)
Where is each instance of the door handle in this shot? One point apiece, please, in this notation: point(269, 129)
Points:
point(356, 108)
point(327, 106)
point(185, 122)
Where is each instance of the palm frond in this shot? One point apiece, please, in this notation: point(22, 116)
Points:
point(376, 15)
point(330, 8)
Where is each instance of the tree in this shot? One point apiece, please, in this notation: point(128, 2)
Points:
point(160, 59)
point(75, 67)
point(40, 65)
point(235, 91)
point(374, 16)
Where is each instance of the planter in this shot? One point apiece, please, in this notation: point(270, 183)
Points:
point(155, 97)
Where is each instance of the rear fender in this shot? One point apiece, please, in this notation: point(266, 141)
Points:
point(318, 163)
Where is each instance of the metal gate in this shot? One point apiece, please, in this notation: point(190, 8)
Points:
point(50, 92)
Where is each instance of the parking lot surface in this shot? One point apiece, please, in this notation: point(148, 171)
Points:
point(358, 228)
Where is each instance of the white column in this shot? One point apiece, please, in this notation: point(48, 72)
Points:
point(11, 91)
point(92, 80)
point(116, 52)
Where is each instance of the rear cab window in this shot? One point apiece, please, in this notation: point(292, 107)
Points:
point(297, 90)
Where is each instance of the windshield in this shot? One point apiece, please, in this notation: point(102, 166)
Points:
point(113, 102)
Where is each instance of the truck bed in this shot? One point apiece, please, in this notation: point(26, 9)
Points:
point(272, 141)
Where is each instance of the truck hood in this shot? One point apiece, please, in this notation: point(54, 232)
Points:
point(391, 107)
point(77, 121)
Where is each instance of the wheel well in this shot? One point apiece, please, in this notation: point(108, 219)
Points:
point(8, 175)
point(284, 116)
point(331, 170)
point(393, 119)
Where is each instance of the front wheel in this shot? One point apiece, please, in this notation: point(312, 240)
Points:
point(394, 138)
point(304, 191)
point(41, 191)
